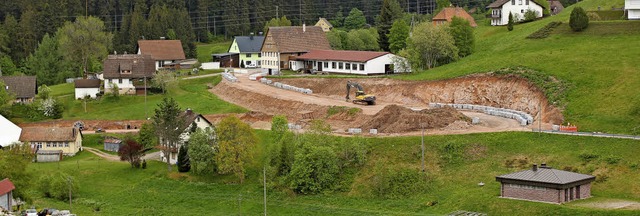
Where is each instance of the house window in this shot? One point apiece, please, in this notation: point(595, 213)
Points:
point(527, 2)
point(326, 64)
point(513, 2)
point(48, 144)
point(55, 145)
point(259, 55)
point(340, 65)
point(248, 55)
point(333, 65)
point(362, 67)
point(125, 72)
point(120, 81)
point(522, 11)
point(198, 119)
point(519, 2)
point(66, 144)
point(38, 145)
point(347, 66)
point(354, 66)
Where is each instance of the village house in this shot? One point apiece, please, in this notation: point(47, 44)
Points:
point(86, 87)
point(10, 132)
point(324, 24)
point(632, 9)
point(6, 194)
point(192, 121)
point(545, 184)
point(165, 53)
point(65, 139)
point(284, 43)
point(248, 50)
point(23, 87)
point(131, 73)
point(447, 14)
point(350, 62)
point(500, 10)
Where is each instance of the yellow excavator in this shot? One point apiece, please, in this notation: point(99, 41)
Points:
point(361, 97)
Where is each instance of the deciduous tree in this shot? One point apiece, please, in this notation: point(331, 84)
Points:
point(14, 162)
point(355, 20)
point(315, 169)
point(363, 39)
point(236, 140)
point(131, 151)
point(462, 34)
point(202, 150)
point(6, 99)
point(164, 80)
point(147, 137)
point(84, 40)
point(398, 36)
point(431, 46)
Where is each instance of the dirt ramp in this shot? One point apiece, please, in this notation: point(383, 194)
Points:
point(396, 119)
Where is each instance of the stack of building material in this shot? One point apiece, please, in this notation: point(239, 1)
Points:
point(522, 117)
point(229, 77)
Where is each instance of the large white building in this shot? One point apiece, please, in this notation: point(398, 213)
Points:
point(632, 8)
point(350, 62)
point(500, 10)
point(10, 132)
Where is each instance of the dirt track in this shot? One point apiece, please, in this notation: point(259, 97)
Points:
point(270, 100)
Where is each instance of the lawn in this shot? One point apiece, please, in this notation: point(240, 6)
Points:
point(188, 93)
point(205, 50)
point(600, 64)
point(453, 182)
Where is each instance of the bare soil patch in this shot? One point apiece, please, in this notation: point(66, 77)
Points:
point(396, 119)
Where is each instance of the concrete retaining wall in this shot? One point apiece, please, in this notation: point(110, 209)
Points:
point(522, 117)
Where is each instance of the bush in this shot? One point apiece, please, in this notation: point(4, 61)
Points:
point(397, 183)
point(314, 170)
point(57, 185)
point(579, 20)
point(451, 153)
point(510, 23)
point(612, 159)
point(530, 15)
point(587, 157)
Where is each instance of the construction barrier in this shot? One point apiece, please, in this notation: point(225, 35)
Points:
point(522, 117)
point(280, 85)
point(229, 77)
point(570, 128)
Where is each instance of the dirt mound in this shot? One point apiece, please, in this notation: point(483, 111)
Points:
point(89, 124)
point(396, 119)
point(254, 116)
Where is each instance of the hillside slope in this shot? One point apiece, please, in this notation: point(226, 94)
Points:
point(601, 65)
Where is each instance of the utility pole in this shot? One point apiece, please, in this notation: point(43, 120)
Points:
point(277, 14)
point(264, 183)
point(146, 114)
point(423, 164)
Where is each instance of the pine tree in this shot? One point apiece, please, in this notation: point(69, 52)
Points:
point(579, 19)
point(510, 23)
point(389, 12)
point(355, 20)
point(184, 165)
point(46, 62)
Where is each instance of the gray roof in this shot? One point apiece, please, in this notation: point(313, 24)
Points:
point(249, 44)
point(546, 175)
point(21, 86)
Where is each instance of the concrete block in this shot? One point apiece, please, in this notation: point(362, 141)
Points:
point(373, 131)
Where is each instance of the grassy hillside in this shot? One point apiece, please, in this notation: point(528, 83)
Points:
point(205, 50)
point(189, 94)
point(453, 173)
point(601, 64)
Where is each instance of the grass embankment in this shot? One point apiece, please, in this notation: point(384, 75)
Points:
point(453, 173)
point(601, 64)
point(191, 93)
point(205, 50)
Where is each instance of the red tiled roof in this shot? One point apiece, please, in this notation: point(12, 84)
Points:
point(6, 186)
point(341, 55)
point(162, 49)
point(448, 14)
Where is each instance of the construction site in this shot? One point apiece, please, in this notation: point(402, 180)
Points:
point(391, 107)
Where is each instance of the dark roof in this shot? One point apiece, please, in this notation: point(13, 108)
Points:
point(21, 86)
point(341, 55)
point(87, 83)
point(499, 3)
point(450, 12)
point(140, 66)
point(5, 186)
point(291, 39)
point(249, 44)
point(112, 140)
point(190, 116)
point(546, 176)
point(162, 49)
point(49, 134)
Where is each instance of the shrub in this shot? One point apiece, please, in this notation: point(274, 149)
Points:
point(57, 185)
point(314, 170)
point(587, 157)
point(530, 15)
point(397, 183)
point(593, 16)
point(510, 23)
point(612, 159)
point(451, 153)
point(579, 20)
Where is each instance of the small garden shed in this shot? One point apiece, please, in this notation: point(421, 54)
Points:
point(112, 144)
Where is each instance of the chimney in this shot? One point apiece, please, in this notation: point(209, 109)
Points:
point(304, 28)
point(189, 111)
point(251, 36)
point(535, 167)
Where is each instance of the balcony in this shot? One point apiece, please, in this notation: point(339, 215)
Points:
point(494, 16)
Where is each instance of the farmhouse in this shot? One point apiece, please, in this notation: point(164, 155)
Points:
point(324, 24)
point(281, 44)
point(165, 53)
point(65, 139)
point(130, 73)
point(632, 8)
point(87, 87)
point(447, 14)
point(6, 194)
point(500, 10)
point(10, 132)
point(248, 49)
point(192, 121)
point(349, 62)
point(23, 87)
point(544, 184)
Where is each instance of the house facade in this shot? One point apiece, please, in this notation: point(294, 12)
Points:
point(349, 62)
point(324, 24)
point(192, 121)
point(131, 73)
point(248, 50)
point(632, 8)
point(447, 14)
point(86, 87)
point(6, 194)
point(10, 132)
point(500, 10)
point(23, 87)
point(65, 139)
point(165, 53)
point(281, 44)
point(545, 184)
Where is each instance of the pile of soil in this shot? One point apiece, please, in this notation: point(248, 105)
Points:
point(397, 119)
point(254, 116)
point(89, 125)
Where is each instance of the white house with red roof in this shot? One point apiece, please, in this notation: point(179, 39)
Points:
point(6, 194)
point(351, 62)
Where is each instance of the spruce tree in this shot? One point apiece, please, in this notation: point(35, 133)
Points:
point(510, 24)
point(389, 12)
point(184, 165)
point(579, 19)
